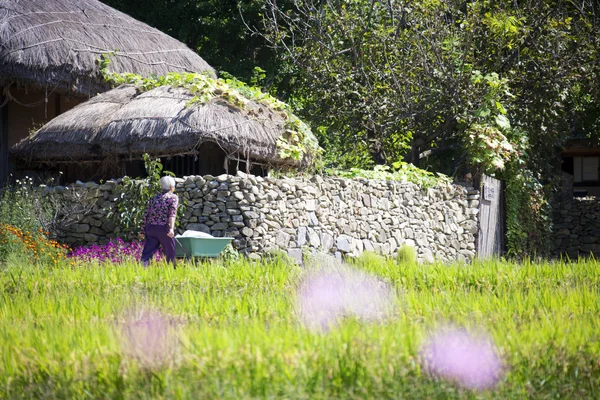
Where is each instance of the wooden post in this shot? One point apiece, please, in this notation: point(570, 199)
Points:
point(490, 236)
point(3, 142)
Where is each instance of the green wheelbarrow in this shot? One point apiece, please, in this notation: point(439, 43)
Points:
point(200, 246)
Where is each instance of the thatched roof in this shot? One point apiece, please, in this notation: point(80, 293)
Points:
point(54, 44)
point(127, 123)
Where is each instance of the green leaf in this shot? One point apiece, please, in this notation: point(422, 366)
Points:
point(482, 112)
point(500, 107)
point(502, 121)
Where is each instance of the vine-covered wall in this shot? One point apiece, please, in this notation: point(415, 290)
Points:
point(326, 214)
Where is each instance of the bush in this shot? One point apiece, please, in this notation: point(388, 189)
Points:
point(406, 255)
point(21, 207)
point(133, 195)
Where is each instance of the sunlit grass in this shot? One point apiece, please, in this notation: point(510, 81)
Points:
point(239, 335)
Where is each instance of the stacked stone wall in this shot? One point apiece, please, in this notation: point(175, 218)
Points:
point(325, 214)
point(577, 227)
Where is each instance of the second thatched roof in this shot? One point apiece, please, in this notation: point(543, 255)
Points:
point(55, 44)
point(127, 123)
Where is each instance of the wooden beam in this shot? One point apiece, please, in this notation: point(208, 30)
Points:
point(3, 142)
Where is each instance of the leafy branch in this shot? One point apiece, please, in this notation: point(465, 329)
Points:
point(133, 195)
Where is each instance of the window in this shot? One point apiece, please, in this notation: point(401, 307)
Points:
point(585, 169)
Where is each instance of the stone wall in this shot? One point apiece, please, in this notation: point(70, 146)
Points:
point(577, 227)
point(327, 214)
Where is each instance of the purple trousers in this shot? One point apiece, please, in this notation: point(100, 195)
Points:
point(156, 236)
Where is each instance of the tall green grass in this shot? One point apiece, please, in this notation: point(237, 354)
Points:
point(239, 335)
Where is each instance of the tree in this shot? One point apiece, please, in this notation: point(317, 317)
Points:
point(371, 72)
point(399, 78)
point(216, 29)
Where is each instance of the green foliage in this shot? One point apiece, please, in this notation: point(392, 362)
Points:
point(33, 247)
point(216, 29)
point(133, 195)
point(528, 214)
point(28, 217)
point(339, 156)
point(498, 149)
point(391, 81)
point(406, 255)
point(401, 172)
point(367, 258)
point(378, 77)
point(238, 336)
point(22, 207)
point(229, 254)
point(258, 77)
point(486, 139)
point(32, 208)
point(379, 81)
point(297, 142)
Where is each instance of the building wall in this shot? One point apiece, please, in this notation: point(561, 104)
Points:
point(26, 111)
point(332, 215)
point(29, 110)
point(581, 160)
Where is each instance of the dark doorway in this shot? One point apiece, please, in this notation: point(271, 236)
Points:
point(210, 159)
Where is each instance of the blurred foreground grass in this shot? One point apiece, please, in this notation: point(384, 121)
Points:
point(238, 334)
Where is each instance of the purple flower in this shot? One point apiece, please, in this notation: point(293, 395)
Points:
point(118, 252)
point(150, 338)
point(327, 296)
point(469, 360)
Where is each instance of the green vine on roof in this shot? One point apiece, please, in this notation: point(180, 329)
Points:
point(297, 139)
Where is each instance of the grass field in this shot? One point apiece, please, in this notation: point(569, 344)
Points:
point(235, 332)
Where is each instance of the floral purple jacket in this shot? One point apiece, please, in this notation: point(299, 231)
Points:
point(160, 208)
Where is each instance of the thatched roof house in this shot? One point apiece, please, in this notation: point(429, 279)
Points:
point(49, 51)
point(119, 126)
point(55, 44)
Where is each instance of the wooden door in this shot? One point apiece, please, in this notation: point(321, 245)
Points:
point(490, 239)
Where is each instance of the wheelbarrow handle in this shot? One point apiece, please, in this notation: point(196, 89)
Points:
point(184, 250)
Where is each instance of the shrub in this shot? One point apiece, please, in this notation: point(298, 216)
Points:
point(32, 208)
point(21, 207)
point(133, 195)
point(406, 255)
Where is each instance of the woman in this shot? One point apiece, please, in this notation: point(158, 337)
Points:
point(159, 222)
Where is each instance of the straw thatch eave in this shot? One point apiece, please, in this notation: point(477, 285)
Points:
point(54, 44)
point(126, 123)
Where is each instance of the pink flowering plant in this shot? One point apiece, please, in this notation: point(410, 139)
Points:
point(470, 360)
point(117, 251)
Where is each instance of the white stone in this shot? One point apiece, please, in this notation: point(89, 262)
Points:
point(344, 243)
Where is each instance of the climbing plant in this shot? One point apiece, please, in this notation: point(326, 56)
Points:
point(133, 195)
point(498, 149)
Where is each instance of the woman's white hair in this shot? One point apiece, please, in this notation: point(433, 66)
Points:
point(167, 182)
